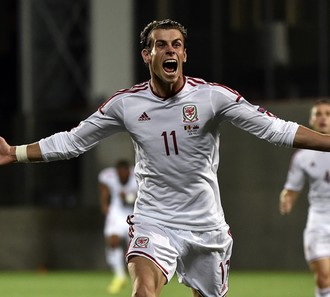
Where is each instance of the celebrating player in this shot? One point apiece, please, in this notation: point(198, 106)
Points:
point(117, 187)
point(315, 167)
point(178, 224)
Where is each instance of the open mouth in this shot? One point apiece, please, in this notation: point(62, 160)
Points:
point(170, 65)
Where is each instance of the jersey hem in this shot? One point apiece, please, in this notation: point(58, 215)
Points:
point(178, 226)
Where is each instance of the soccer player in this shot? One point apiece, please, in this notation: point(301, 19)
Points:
point(313, 166)
point(178, 224)
point(117, 188)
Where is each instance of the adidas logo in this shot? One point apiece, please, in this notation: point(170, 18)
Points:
point(144, 117)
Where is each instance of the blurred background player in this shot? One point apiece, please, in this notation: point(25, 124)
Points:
point(117, 188)
point(315, 167)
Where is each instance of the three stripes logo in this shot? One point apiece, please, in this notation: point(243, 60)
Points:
point(144, 117)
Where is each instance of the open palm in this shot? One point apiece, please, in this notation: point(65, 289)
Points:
point(5, 157)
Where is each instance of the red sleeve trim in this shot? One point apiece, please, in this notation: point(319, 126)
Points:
point(195, 81)
point(134, 89)
point(239, 96)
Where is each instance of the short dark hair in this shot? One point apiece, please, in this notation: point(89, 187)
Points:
point(145, 40)
point(122, 164)
point(321, 101)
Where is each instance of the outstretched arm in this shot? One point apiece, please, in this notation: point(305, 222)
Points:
point(11, 154)
point(310, 139)
point(67, 144)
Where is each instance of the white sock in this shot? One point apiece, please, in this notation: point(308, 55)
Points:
point(115, 259)
point(325, 292)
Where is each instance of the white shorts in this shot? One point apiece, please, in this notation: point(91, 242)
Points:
point(316, 244)
point(115, 224)
point(200, 259)
point(317, 235)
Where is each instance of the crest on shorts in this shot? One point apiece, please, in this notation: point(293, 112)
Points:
point(141, 242)
point(190, 113)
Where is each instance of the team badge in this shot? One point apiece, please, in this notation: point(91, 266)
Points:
point(190, 113)
point(141, 242)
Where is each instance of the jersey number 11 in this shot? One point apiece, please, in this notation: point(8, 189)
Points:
point(175, 145)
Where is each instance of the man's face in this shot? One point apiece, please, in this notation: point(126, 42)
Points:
point(123, 174)
point(320, 118)
point(166, 56)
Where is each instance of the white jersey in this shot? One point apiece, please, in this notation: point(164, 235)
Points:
point(109, 177)
point(315, 167)
point(176, 143)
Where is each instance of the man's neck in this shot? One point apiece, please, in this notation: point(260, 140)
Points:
point(166, 89)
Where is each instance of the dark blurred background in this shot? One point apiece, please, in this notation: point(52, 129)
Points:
point(60, 59)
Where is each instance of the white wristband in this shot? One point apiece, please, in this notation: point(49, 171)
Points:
point(21, 154)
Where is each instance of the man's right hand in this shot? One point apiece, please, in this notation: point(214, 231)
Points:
point(7, 152)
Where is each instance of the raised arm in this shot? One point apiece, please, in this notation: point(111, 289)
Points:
point(23, 153)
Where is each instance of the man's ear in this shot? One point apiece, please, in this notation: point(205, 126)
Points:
point(185, 56)
point(145, 56)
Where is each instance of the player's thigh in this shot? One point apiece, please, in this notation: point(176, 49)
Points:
point(146, 277)
point(153, 243)
point(321, 267)
point(206, 267)
point(195, 293)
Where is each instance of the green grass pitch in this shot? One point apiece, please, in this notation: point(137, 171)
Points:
point(93, 284)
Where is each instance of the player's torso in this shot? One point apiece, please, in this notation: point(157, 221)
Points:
point(117, 188)
point(317, 168)
point(172, 131)
point(177, 146)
